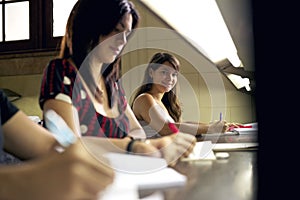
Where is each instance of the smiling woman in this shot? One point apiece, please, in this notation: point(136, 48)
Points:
point(156, 104)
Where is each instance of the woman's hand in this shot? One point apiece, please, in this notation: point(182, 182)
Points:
point(175, 146)
point(222, 126)
point(217, 127)
point(230, 126)
point(72, 174)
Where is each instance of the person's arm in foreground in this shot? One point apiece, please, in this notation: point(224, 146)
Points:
point(73, 174)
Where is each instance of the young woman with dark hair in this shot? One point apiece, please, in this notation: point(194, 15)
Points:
point(83, 85)
point(156, 104)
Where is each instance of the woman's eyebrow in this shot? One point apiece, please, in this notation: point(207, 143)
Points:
point(123, 26)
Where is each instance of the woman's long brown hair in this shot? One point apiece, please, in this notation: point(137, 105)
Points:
point(170, 99)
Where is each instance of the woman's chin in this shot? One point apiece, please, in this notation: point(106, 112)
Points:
point(110, 59)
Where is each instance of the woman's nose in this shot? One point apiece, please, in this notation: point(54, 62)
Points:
point(121, 38)
point(169, 76)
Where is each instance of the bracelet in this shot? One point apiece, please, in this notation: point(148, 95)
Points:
point(130, 145)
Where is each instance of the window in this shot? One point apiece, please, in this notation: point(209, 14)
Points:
point(25, 24)
point(15, 27)
point(61, 11)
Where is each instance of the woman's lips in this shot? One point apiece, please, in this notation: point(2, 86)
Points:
point(115, 50)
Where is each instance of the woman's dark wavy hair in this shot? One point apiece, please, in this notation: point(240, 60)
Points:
point(88, 20)
point(169, 99)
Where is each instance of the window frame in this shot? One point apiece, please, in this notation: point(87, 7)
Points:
point(40, 30)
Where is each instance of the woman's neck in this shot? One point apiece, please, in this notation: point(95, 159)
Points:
point(156, 95)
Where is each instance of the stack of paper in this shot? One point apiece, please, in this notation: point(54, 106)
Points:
point(250, 128)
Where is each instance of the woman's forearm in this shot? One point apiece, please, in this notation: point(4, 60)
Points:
point(192, 128)
point(95, 144)
point(27, 141)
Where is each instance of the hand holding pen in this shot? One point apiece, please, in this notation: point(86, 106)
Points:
point(231, 126)
point(74, 166)
point(61, 131)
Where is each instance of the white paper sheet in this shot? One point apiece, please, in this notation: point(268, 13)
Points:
point(201, 151)
point(146, 172)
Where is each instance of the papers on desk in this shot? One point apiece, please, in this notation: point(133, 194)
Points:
point(133, 172)
point(235, 146)
point(250, 128)
point(120, 189)
point(201, 151)
point(144, 171)
point(244, 129)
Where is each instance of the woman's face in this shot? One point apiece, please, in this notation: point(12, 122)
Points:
point(164, 77)
point(111, 45)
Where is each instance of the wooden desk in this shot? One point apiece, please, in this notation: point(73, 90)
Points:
point(234, 178)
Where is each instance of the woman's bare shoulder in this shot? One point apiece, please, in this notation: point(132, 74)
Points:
point(145, 97)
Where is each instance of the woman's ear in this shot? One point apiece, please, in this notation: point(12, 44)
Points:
point(150, 73)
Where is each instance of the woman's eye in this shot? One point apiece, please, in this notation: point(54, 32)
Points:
point(117, 30)
point(128, 33)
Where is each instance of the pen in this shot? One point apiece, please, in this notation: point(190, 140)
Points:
point(221, 117)
point(61, 131)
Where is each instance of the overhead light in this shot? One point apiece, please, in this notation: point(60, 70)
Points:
point(237, 75)
point(202, 24)
point(239, 81)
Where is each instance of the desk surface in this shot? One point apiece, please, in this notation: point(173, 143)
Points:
point(234, 178)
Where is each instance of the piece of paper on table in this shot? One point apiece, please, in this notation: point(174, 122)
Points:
point(252, 129)
point(234, 146)
point(136, 164)
point(144, 171)
point(121, 188)
point(201, 151)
